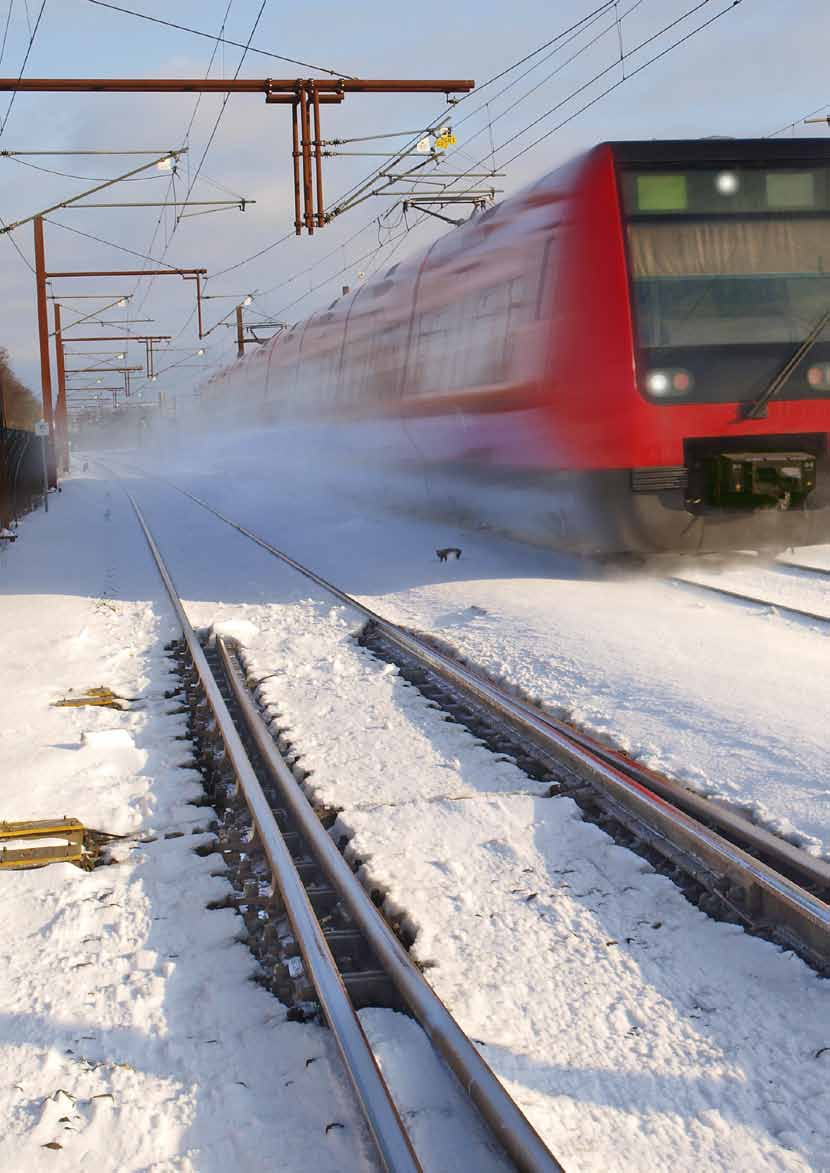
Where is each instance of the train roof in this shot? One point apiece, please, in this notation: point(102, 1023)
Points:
point(761, 151)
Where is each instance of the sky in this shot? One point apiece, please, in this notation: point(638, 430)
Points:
point(753, 71)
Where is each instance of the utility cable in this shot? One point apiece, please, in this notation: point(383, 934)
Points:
point(225, 100)
point(575, 28)
point(798, 121)
point(620, 81)
point(6, 29)
point(69, 174)
point(32, 36)
point(10, 237)
point(596, 77)
point(577, 25)
point(254, 256)
point(673, 24)
point(171, 189)
point(111, 244)
point(224, 40)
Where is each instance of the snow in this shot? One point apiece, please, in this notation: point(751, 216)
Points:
point(633, 1031)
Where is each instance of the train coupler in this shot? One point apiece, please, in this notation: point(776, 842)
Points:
point(757, 479)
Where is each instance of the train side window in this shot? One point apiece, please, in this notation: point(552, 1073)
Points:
point(545, 283)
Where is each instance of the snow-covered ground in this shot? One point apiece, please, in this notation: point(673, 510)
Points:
point(635, 1032)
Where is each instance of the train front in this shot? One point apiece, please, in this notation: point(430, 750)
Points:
point(729, 266)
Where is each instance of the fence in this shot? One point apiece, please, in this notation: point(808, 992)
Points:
point(21, 473)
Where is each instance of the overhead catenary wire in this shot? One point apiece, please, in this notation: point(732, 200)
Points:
point(213, 132)
point(649, 40)
point(627, 77)
point(32, 36)
point(597, 77)
point(112, 244)
point(68, 174)
point(171, 187)
point(222, 40)
point(10, 237)
point(458, 183)
point(6, 29)
point(560, 36)
point(225, 100)
point(581, 24)
point(798, 121)
point(567, 39)
point(391, 159)
point(574, 28)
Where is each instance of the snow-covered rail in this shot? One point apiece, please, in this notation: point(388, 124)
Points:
point(751, 875)
point(793, 589)
point(513, 1132)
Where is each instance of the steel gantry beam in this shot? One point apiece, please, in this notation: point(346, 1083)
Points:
point(306, 96)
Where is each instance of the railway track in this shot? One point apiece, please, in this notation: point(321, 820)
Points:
point(776, 577)
point(730, 866)
point(307, 911)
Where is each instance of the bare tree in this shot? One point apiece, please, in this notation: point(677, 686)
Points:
point(20, 408)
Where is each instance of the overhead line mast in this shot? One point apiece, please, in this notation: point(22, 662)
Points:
point(306, 96)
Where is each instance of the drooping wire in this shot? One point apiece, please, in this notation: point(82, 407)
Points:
point(225, 100)
point(565, 41)
point(10, 237)
point(70, 175)
point(171, 189)
point(254, 256)
point(693, 32)
point(798, 121)
point(657, 56)
point(111, 244)
point(575, 29)
point(6, 29)
point(32, 36)
point(223, 40)
point(577, 25)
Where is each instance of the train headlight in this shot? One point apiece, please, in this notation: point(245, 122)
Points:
point(665, 383)
point(727, 183)
point(818, 376)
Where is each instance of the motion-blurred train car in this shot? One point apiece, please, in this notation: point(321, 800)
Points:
point(632, 354)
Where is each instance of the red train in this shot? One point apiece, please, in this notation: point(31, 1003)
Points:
point(632, 354)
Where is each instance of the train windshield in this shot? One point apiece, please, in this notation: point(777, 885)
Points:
point(731, 272)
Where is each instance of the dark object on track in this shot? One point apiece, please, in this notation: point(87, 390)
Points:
point(444, 553)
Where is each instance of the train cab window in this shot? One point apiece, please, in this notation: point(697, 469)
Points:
point(791, 190)
point(661, 193)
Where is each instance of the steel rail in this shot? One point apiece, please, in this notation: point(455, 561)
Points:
point(757, 600)
point(389, 1133)
point(513, 1131)
point(817, 570)
point(756, 891)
